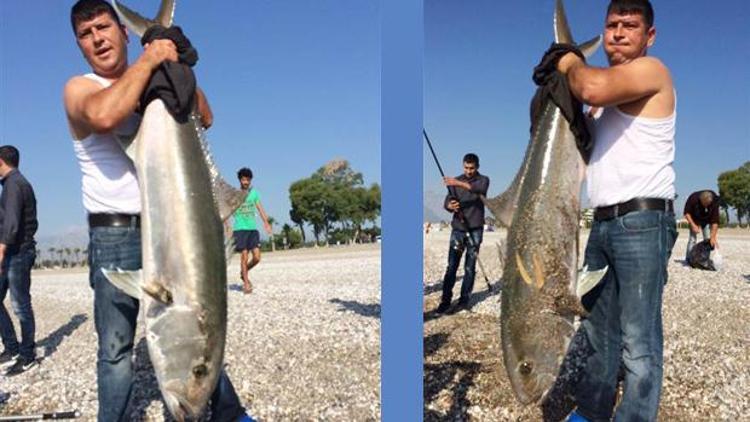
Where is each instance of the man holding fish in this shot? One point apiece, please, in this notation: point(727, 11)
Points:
point(100, 108)
point(631, 185)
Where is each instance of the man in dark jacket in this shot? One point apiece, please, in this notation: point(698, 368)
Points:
point(465, 202)
point(17, 255)
point(702, 212)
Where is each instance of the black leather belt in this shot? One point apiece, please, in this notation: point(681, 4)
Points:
point(636, 204)
point(114, 220)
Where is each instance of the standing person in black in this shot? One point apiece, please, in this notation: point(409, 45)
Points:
point(17, 256)
point(702, 212)
point(464, 200)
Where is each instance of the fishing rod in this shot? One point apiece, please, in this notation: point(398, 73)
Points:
point(459, 212)
point(42, 416)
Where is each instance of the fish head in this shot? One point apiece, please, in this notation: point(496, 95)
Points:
point(535, 353)
point(186, 357)
point(186, 399)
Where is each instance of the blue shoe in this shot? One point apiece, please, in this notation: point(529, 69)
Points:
point(245, 418)
point(575, 417)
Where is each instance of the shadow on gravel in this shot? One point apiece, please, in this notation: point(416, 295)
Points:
point(235, 287)
point(476, 298)
point(438, 286)
point(457, 377)
point(747, 277)
point(438, 377)
point(55, 338)
point(371, 310)
point(145, 386)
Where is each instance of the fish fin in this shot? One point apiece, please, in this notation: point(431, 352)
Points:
point(229, 243)
point(560, 22)
point(538, 272)
point(134, 21)
point(227, 197)
point(501, 251)
point(587, 280)
point(127, 281)
point(522, 270)
point(570, 304)
point(157, 291)
point(128, 145)
point(503, 205)
point(165, 17)
point(589, 47)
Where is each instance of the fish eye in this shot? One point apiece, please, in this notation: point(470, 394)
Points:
point(525, 368)
point(200, 371)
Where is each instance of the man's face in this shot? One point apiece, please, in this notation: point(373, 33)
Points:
point(626, 37)
point(245, 182)
point(470, 169)
point(104, 45)
point(706, 202)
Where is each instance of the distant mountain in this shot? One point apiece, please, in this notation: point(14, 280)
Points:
point(432, 205)
point(71, 237)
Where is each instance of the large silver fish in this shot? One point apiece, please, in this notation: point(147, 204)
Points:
point(182, 286)
point(541, 288)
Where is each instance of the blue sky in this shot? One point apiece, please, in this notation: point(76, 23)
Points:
point(479, 55)
point(292, 84)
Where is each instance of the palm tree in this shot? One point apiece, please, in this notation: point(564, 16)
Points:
point(271, 222)
point(51, 251)
point(76, 251)
point(67, 257)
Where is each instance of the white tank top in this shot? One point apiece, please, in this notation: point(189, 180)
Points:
point(109, 182)
point(632, 158)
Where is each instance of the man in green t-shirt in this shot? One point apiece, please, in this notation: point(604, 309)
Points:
point(245, 231)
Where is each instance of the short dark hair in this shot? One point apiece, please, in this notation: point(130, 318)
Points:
point(85, 10)
point(471, 158)
point(244, 172)
point(9, 154)
point(643, 7)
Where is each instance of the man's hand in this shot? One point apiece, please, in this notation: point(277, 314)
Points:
point(714, 243)
point(158, 51)
point(267, 227)
point(454, 205)
point(695, 228)
point(567, 61)
point(452, 181)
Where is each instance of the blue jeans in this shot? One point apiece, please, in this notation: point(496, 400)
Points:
point(458, 243)
point(16, 276)
point(694, 236)
point(625, 323)
point(115, 315)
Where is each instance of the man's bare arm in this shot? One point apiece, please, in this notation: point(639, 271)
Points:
point(621, 84)
point(264, 217)
point(93, 109)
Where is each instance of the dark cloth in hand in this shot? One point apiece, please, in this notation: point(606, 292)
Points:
point(700, 256)
point(174, 83)
point(553, 86)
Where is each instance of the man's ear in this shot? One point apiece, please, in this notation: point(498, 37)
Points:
point(651, 34)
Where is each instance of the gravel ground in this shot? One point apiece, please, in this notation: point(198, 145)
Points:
point(305, 345)
point(706, 340)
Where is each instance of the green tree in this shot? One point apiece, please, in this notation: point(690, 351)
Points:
point(308, 197)
point(734, 189)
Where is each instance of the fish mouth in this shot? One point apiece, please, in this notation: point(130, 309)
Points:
point(180, 407)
